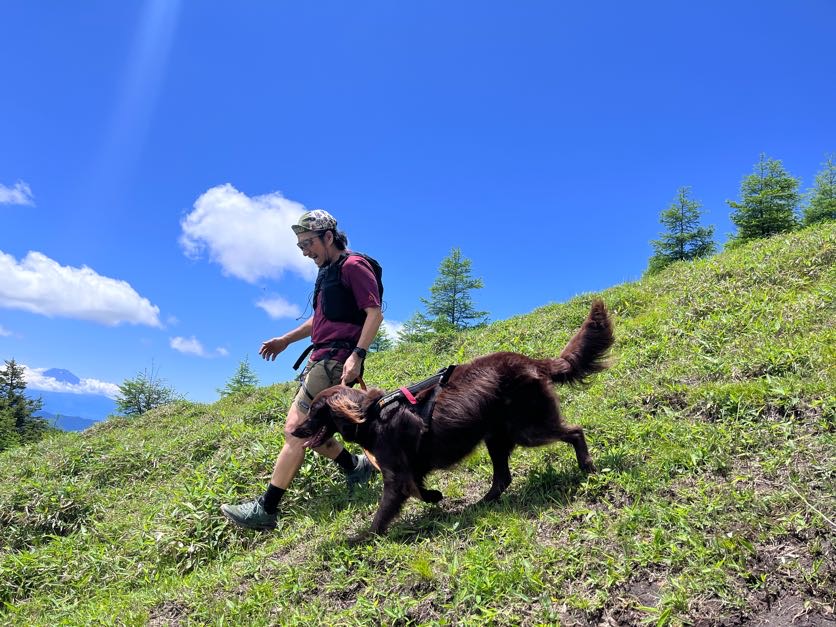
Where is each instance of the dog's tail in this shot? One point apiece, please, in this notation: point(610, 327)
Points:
point(585, 353)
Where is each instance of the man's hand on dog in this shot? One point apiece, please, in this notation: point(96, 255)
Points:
point(351, 369)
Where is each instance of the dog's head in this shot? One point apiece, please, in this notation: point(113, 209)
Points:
point(338, 409)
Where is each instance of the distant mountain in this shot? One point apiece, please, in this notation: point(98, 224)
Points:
point(64, 376)
point(67, 423)
point(74, 412)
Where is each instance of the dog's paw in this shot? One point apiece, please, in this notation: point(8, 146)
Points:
point(431, 496)
point(490, 497)
point(363, 537)
point(588, 467)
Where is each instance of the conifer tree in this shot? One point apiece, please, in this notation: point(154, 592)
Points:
point(417, 329)
point(244, 380)
point(450, 306)
point(18, 422)
point(8, 434)
point(684, 239)
point(768, 200)
point(382, 341)
point(822, 205)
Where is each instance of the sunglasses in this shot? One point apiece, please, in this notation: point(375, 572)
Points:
point(306, 243)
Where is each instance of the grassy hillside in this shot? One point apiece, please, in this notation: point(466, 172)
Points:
point(713, 433)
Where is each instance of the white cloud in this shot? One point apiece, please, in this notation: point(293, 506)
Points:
point(189, 346)
point(250, 238)
point(393, 329)
point(193, 346)
point(40, 285)
point(20, 194)
point(4, 332)
point(277, 307)
point(36, 380)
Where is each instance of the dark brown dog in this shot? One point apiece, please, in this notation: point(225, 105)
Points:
point(505, 399)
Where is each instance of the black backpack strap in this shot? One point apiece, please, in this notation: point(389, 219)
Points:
point(334, 346)
point(304, 354)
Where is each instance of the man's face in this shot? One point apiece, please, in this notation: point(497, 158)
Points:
point(311, 245)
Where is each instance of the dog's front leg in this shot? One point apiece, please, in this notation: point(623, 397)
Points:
point(395, 494)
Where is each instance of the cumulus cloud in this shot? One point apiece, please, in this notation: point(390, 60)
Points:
point(277, 307)
point(189, 346)
point(250, 238)
point(20, 194)
point(393, 329)
point(40, 285)
point(36, 380)
point(193, 346)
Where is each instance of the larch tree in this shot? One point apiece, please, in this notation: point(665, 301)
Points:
point(684, 238)
point(768, 201)
point(822, 206)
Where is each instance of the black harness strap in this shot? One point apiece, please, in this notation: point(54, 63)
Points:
point(334, 346)
point(437, 381)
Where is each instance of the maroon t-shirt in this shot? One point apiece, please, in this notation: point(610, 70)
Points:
point(358, 276)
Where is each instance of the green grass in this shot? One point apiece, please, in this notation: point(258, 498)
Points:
point(713, 433)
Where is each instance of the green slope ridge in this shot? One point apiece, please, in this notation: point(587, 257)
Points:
point(713, 433)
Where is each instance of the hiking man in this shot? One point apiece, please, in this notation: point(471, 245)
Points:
point(346, 318)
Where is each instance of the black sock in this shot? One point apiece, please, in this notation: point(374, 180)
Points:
point(271, 498)
point(346, 460)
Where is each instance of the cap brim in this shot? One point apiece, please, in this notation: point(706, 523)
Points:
point(299, 229)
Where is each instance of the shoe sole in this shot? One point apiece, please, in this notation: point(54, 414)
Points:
point(240, 524)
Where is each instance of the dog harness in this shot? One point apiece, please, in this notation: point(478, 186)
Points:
point(408, 394)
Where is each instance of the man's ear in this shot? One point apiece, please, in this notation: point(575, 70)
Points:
point(346, 406)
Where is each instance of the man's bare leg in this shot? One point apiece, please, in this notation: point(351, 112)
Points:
point(292, 454)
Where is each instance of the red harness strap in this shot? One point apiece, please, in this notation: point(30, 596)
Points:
point(408, 395)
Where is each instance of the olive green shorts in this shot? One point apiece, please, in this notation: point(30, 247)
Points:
point(317, 376)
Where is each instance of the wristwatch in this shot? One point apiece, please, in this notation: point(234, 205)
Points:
point(360, 351)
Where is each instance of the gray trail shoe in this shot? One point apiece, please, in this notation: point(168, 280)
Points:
point(250, 515)
point(361, 474)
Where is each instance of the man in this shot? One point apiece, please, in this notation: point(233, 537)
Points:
point(346, 318)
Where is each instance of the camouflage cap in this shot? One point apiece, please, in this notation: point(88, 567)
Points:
point(315, 220)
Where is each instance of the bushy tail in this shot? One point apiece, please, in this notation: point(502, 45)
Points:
point(584, 354)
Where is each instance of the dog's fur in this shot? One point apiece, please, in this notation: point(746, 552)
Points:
point(505, 399)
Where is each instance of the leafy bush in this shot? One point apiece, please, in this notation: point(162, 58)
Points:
point(143, 393)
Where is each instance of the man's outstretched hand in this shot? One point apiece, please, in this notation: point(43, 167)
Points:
point(271, 348)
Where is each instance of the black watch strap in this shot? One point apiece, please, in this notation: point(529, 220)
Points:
point(360, 351)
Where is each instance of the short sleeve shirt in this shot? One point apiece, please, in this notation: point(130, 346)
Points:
point(358, 276)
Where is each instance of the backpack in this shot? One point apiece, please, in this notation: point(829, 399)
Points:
point(340, 304)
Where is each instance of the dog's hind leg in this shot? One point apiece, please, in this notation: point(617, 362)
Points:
point(499, 448)
point(573, 434)
point(552, 428)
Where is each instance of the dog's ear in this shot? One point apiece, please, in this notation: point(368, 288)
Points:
point(369, 406)
point(372, 396)
point(347, 406)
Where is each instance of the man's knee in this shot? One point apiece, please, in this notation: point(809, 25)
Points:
point(295, 418)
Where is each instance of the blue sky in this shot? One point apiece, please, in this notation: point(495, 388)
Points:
point(152, 155)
